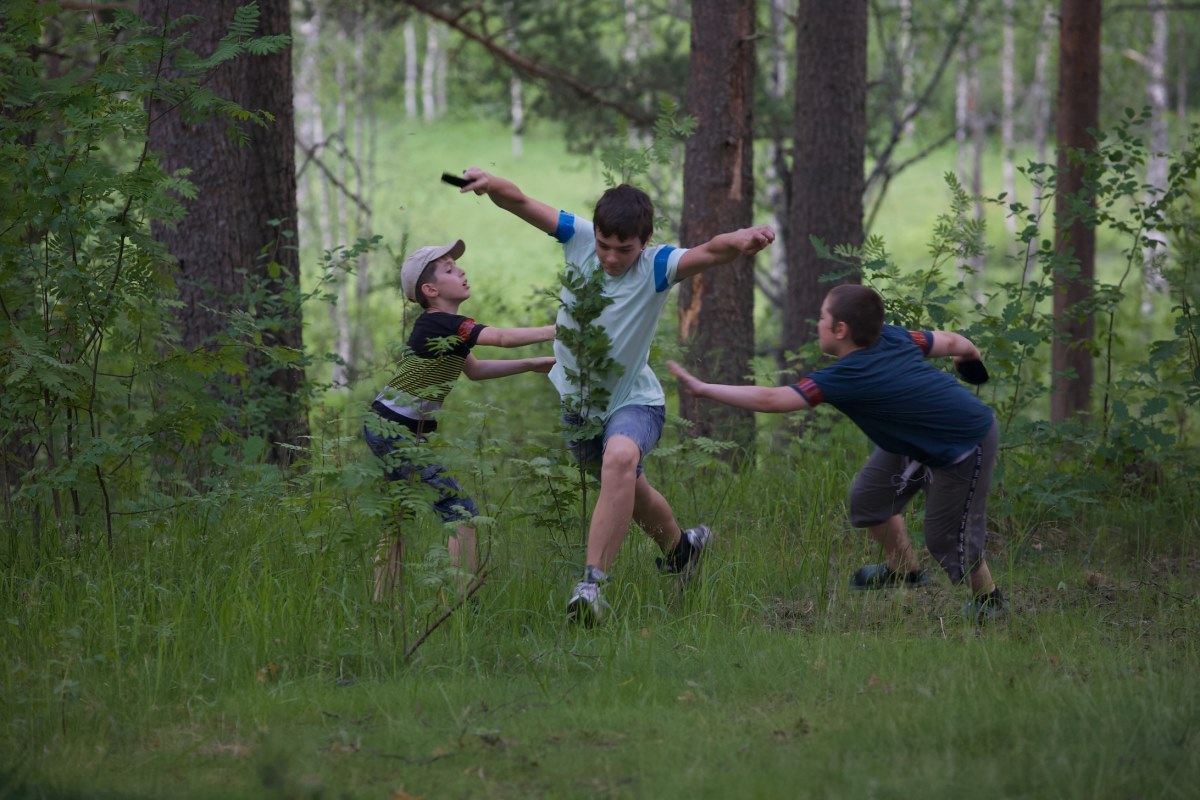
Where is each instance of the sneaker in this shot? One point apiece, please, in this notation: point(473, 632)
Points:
point(881, 576)
point(698, 538)
point(987, 607)
point(586, 605)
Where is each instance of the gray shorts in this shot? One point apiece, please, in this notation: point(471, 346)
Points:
point(452, 503)
point(643, 424)
point(955, 501)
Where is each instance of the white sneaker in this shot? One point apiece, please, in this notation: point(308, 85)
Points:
point(586, 605)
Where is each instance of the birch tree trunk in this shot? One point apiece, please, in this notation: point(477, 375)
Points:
point(335, 213)
point(411, 69)
point(1156, 165)
point(516, 92)
point(365, 119)
point(428, 98)
point(1039, 104)
point(775, 170)
point(1008, 58)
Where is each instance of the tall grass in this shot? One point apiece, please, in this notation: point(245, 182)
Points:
point(232, 649)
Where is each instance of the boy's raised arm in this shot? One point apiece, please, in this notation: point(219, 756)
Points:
point(506, 194)
point(723, 248)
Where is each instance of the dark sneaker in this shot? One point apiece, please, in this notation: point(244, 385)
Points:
point(698, 539)
point(586, 605)
point(987, 607)
point(881, 576)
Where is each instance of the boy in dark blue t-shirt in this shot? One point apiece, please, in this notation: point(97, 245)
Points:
point(930, 432)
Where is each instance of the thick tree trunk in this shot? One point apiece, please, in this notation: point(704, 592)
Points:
point(827, 170)
point(241, 188)
point(1078, 110)
point(716, 308)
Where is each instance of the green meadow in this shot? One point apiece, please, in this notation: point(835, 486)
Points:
point(228, 647)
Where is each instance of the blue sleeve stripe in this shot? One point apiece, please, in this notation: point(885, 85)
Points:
point(660, 267)
point(566, 227)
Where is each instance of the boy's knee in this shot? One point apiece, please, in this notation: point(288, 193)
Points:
point(621, 457)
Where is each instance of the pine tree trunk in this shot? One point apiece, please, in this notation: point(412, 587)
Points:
point(830, 144)
point(716, 308)
point(241, 189)
point(1078, 110)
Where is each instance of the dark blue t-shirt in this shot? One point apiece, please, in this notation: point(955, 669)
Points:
point(900, 401)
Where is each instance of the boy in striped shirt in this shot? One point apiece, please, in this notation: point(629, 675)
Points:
point(437, 352)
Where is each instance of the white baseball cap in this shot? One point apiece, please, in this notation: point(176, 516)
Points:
point(416, 263)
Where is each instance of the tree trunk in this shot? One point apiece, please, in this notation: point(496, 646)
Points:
point(1039, 104)
point(1008, 80)
point(428, 98)
point(516, 90)
point(1078, 110)
point(366, 54)
point(774, 277)
point(411, 69)
point(1156, 164)
point(716, 308)
point(827, 169)
point(241, 189)
point(340, 310)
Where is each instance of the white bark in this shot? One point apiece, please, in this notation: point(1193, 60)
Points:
point(907, 55)
point(516, 93)
point(1156, 166)
point(341, 309)
point(777, 88)
point(1039, 102)
point(428, 99)
point(1008, 57)
point(364, 145)
point(410, 69)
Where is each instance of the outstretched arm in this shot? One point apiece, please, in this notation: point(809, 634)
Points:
point(508, 196)
point(515, 337)
point(948, 343)
point(723, 248)
point(485, 369)
point(773, 399)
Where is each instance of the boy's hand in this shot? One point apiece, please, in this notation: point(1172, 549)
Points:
point(479, 181)
point(542, 364)
point(689, 382)
point(753, 240)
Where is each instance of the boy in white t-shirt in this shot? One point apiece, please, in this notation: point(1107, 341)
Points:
point(637, 279)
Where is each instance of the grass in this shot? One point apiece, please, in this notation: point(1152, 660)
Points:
point(232, 651)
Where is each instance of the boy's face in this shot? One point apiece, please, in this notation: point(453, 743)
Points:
point(448, 280)
point(617, 255)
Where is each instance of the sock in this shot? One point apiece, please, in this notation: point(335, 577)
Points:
point(593, 575)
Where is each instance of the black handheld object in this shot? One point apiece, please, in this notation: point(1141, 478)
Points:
point(454, 180)
point(973, 371)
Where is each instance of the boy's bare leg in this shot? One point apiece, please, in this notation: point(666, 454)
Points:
point(981, 580)
point(461, 547)
point(389, 561)
point(653, 514)
point(614, 506)
point(897, 549)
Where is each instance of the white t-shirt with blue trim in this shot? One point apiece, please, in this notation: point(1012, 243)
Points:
point(639, 297)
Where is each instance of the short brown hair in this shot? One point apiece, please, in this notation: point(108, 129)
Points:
point(860, 307)
point(624, 212)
